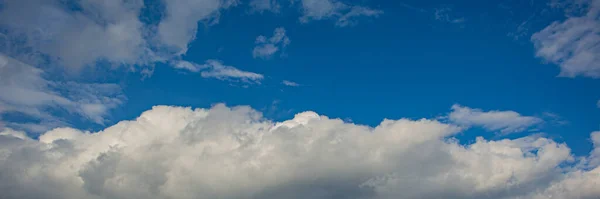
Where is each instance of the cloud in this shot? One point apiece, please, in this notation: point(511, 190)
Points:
point(344, 14)
point(442, 14)
point(223, 152)
point(503, 121)
point(264, 5)
point(81, 33)
point(27, 92)
point(102, 30)
point(180, 24)
point(573, 44)
point(290, 83)
point(267, 47)
point(216, 69)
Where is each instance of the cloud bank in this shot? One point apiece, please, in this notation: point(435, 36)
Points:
point(223, 152)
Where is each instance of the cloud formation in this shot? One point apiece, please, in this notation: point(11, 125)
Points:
point(222, 152)
point(266, 47)
point(503, 121)
point(573, 44)
point(55, 35)
point(216, 69)
point(25, 91)
point(290, 83)
point(344, 14)
point(110, 30)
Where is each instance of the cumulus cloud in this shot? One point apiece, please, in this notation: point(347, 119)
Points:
point(222, 152)
point(503, 121)
point(344, 14)
point(216, 69)
point(290, 83)
point(267, 47)
point(573, 44)
point(25, 91)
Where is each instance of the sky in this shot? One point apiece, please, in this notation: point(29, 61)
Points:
point(314, 98)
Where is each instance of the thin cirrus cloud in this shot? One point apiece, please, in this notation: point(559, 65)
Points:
point(290, 83)
point(233, 152)
point(504, 122)
point(266, 47)
point(344, 14)
point(573, 44)
point(265, 5)
point(216, 69)
point(444, 14)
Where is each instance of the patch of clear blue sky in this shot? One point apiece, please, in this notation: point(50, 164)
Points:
point(404, 63)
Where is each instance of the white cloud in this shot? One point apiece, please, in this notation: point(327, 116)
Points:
point(180, 24)
point(25, 90)
point(267, 47)
point(290, 83)
point(174, 152)
point(102, 30)
point(503, 121)
point(264, 5)
point(109, 30)
point(216, 69)
point(573, 44)
point(344, 14)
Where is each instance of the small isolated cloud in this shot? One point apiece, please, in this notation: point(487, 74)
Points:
point(445, 15)
point(261, 6)
point(267, 47)
point(344, 14)
point(24, 90)
point(573, 44)
point(216, 69)
point(598, 104)
point(503, 121)
point(290, 83)
point(234, 152)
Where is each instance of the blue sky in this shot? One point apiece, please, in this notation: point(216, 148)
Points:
point(404, 63)
point(500, 70)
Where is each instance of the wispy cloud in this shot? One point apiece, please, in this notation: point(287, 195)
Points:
point(216, 69)
point(445, 14)
point(505, 122)
point(25, 91)
point(573, 44)
point(344, 14)
point(290, 83)
point(266, 47)
point(264, 5)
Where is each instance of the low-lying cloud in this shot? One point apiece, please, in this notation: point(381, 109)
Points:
point(223, 152)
